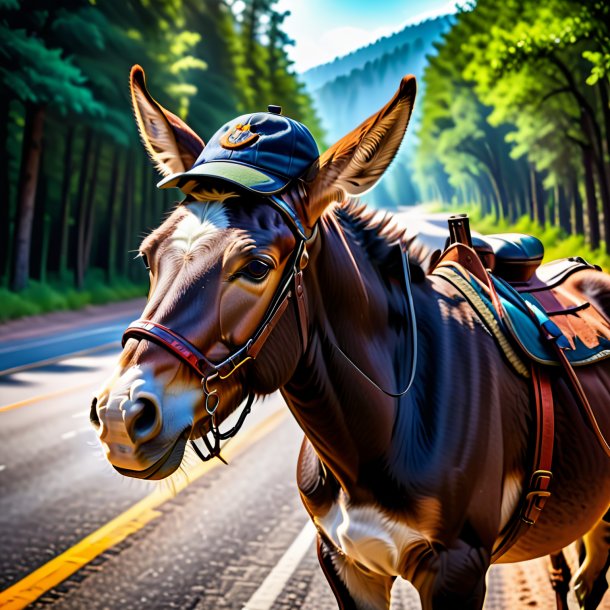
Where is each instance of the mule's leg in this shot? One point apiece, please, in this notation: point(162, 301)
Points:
point(354, 588)
point(453, 578)
point(560, 579)
point(590, 582)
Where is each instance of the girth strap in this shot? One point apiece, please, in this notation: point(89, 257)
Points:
point(537, 491)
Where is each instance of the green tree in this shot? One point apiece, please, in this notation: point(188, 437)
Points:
point(455, 127)
point(81, 192)
point(528, 83)
point(532, 68)
point(44, 76)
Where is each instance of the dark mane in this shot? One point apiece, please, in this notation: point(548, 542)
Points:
point(377, 230)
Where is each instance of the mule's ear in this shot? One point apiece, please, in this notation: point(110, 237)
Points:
point(169, 141)
point(357, 161)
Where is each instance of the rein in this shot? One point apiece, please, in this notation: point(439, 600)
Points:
point(411, 332)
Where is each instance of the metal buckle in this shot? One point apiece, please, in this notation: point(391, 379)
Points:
point(537, 495)
point(538, 478)
point(236, 360)
point(209, 393)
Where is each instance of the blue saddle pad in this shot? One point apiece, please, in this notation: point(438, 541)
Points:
point(526, 322)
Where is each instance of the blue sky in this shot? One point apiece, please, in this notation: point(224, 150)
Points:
point(325, 29)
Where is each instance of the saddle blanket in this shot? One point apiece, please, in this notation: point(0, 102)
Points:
point(543, 306)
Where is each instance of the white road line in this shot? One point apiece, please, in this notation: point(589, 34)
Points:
point(72, 433)
point(264, 597)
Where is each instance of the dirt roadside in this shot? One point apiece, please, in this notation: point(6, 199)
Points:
point(50, 323)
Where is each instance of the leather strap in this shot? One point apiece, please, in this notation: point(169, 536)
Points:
point(183, 349)
point(257, 344)
point(575, 384)
point(299, 292)
point(583, 400)
point(541, 478)
point(411, 334)
point(537, 491)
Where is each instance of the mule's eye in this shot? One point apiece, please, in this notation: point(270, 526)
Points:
point(256, 270)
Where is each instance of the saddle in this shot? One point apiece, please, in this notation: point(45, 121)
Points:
point(536, 300)
point(541, 322)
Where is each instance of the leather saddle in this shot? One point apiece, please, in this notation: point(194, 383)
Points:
point(536, 300)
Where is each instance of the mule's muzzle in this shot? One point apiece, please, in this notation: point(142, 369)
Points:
point(142, 427)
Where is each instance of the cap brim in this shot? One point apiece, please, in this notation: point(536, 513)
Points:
point(236, 173)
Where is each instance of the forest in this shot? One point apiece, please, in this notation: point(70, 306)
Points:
point(77, 191)
point(512, 117)
point(516, 115)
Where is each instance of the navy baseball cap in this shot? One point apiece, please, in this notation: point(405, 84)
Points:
point(261, 152)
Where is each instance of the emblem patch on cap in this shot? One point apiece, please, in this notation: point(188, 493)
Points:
point(239, 136)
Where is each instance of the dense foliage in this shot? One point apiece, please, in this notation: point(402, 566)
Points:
point(516, 114)
point(76, 189)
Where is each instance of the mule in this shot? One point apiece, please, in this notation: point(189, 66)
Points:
point(416, 484)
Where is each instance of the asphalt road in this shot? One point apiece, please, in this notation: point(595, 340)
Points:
point(236, 537)
point(74, 534)
point(24, 352)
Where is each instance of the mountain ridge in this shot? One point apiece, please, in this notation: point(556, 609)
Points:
point(318, 75)
point(349, 89)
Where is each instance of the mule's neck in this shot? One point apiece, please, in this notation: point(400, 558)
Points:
point(348, 420)
point(449, 423)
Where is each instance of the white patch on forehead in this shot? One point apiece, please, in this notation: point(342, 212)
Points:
point(201, 222)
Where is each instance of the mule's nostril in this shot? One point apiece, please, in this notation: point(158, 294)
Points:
point(146, 418)
point(142, 419)
point(93, 416)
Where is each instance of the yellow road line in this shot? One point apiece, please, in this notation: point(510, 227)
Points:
point(42, 397)
point(135, 518)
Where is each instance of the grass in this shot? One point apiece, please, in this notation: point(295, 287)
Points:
point(40, 298)
point(556, 243)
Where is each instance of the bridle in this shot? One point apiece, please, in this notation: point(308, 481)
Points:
point(291, 288)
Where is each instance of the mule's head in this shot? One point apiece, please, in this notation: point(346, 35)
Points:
point(220, 264)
